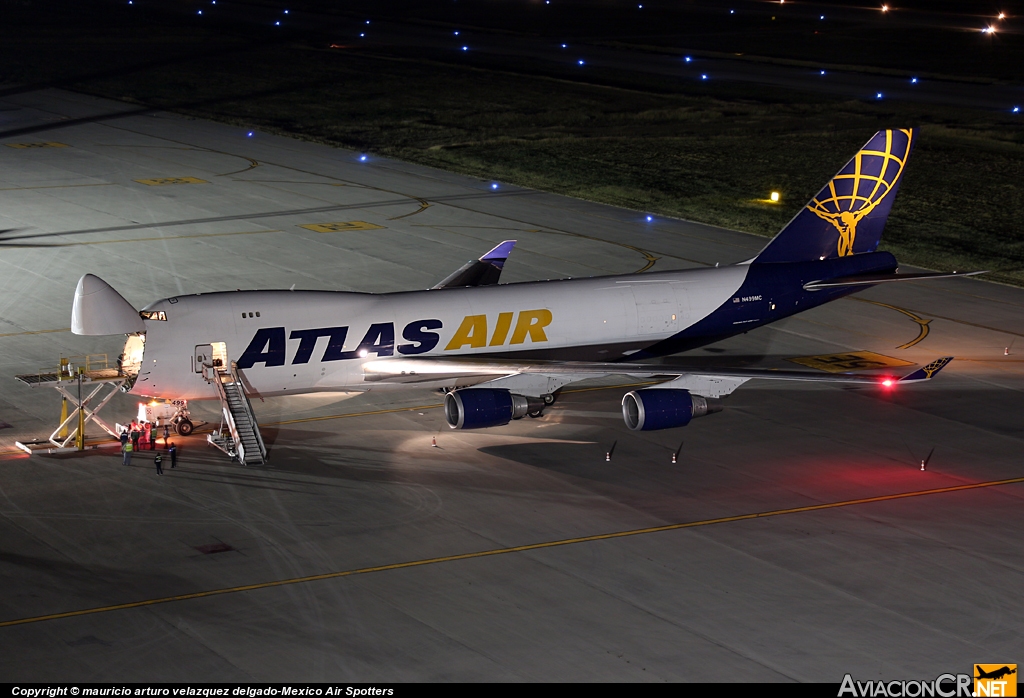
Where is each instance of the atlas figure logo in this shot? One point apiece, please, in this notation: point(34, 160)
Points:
point(861, 186)
point(269, 345)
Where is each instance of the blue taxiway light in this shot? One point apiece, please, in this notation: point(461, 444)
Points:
point(649, 219)
point(565, 46)
point(362, 35)
point(878, 95)
point(687, 59)
point(1016, 110)
point(581, 62)
point(465, 48)
point(732, 12)
point(822, 17)
point(277, 24)
point(703, 76)
point(249, 135)
point(456, 33)
point(494, 185)
point(822, 72)
point(362, 158)
point(913, 81)
point(200, 12)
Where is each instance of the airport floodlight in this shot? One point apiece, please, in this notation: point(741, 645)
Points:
point(774, 197)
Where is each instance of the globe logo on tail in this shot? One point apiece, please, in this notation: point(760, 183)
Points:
point(862, 185)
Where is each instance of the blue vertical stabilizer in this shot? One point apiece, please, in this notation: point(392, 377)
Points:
point(847, 216)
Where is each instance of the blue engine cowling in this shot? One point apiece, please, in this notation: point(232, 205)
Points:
point(478, 408)
point(663, 408)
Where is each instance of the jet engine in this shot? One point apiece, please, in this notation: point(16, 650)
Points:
point(477, 408)
point(663, 408)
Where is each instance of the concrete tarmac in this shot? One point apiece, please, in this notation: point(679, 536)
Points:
point(406, 562)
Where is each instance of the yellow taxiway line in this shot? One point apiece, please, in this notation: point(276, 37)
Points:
point(503, 551)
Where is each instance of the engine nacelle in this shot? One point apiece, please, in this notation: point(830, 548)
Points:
point(663, 408)
point(478, 408)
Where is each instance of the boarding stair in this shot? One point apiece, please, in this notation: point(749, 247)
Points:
point(242, 439)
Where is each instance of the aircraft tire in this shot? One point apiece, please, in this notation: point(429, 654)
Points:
point(548, 398)
point(184, 427)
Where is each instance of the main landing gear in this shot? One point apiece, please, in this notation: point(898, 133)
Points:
point(549, 399)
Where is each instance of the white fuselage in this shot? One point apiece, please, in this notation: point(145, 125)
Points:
point(289, 342)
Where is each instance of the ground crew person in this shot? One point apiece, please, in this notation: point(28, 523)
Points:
point(124, 437)
point(127, 451)
point(158, 461)
point(167, 432)
point(173, 451)
point(136, 434)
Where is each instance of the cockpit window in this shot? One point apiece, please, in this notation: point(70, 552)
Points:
point(153, 315)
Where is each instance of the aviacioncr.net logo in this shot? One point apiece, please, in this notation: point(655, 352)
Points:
point(943, 686)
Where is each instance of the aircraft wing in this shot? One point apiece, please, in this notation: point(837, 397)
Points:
point(480, 272)
point(426, 369)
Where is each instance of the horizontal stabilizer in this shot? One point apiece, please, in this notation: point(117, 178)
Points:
point(480, 272)
point(872, 279)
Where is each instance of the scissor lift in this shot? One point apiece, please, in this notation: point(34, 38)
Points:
point(80, 385)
